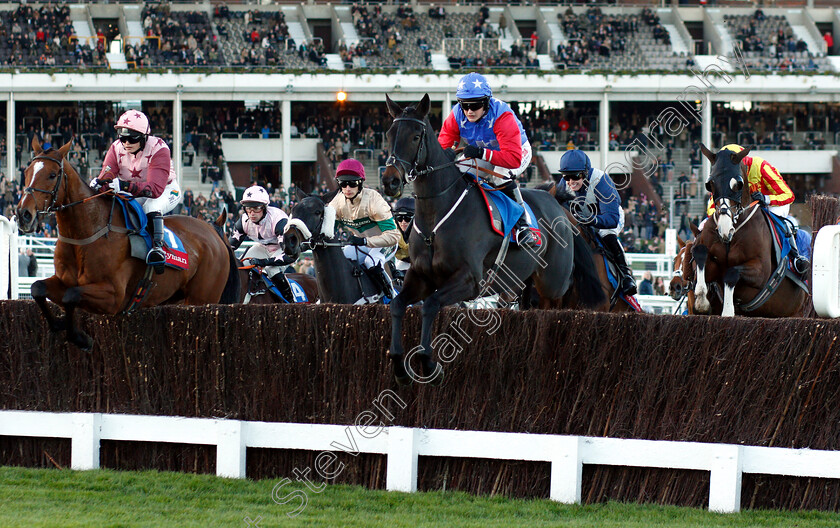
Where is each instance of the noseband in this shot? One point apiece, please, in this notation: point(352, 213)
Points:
point(54, 192)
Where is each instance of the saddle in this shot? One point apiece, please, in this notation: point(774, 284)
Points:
point(141, 240)
point(612, 275)
point(504, 212)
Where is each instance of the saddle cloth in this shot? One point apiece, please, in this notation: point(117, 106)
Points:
point(504, 212)
point(297, 289)
point(141, 241)
point(612, 275)
point(781, 245)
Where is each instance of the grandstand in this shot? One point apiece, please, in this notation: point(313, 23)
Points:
point(246, 92)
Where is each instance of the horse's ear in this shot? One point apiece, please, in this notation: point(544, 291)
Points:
point(708, 153)
point(65, 148)
point(222, 218)
point(740, 156)
point(424, 105)
point(393, 108)
point(329, 196)
point(680, 242)
point(36, 145)
point(300, 195)
point(694, 229)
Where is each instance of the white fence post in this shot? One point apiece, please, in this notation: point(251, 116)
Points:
point(402, 455)
point(8, 259)
point(725, 481)
point(566, 470)
point(230, 449)
point(84, 448)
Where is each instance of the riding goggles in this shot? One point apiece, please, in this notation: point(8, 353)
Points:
point(403, 217)
point(130, 136)
point(574, 176)
point(352, 184)
point(472, 105)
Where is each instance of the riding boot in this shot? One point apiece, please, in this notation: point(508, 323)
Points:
point(156, 256)
point(800, 263)
point(282, 282)
point(627, 284)
point(522, 234)
point(383, 281)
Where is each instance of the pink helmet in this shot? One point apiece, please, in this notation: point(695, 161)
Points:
point(134, 120)
point(350, 169)
point(255, 196)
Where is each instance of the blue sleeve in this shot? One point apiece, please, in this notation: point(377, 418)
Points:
point(609, 204)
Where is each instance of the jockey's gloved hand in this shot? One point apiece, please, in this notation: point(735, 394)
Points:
point(118, 185)
point(261, 262)
point(95, 184)
point(583, 216)
point(356, 241)
point(760, 198)
point(471, 151)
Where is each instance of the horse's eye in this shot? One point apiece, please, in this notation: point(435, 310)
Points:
point(53, 175)
point(417, 137)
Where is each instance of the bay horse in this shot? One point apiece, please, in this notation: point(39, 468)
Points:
point(94, 269)
point(592, 258)
point(734, 249)
point(452, 243)
point(312, 225)
point(681, 287)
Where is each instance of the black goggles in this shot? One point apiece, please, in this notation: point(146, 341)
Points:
point(403, 217)
point(131, 138)
point(471, 105)
point(352, 184)
point(574, 176)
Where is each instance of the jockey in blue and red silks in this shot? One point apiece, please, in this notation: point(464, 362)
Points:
point(770, 190)
point(495, 139)
point(141, 165)
point(264, 224)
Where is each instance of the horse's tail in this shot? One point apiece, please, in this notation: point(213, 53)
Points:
point(230, 295)
point(587, 281)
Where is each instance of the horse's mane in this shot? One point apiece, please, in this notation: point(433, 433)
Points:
point(562, 195)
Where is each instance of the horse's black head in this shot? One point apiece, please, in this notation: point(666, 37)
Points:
point(312, 221)
point(406, 138)
point(725, 180)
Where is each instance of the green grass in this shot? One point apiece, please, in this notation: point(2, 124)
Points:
point(37, 497)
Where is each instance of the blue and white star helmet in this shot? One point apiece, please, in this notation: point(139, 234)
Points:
point(255, 196)
point(473, 86)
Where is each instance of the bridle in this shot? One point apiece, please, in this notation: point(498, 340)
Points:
point(54, 192)
point(411, 170)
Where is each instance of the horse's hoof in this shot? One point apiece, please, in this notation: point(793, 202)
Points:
point(83, 341)
point(436, 377)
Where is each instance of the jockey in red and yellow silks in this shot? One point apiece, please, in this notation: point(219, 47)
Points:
point(771, 190)
point(765, 179)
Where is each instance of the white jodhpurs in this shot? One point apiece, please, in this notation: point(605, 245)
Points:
point(166, 202)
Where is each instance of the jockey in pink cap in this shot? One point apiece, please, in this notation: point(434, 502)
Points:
point(368, 216)
point(140, 165)
point(263, 224)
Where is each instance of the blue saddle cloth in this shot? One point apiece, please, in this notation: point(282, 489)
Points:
point(782, 243)
point(297, 290)
point(136, 222)
point(508, 210)
point(611, 276)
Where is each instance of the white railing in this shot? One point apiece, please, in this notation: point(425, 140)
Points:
point(402, 446)
point(8, 259)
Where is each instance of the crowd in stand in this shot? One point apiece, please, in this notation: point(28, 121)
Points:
point(182, 38)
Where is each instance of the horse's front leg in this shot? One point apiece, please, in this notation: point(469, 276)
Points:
point(412, 291)
point(462, 285)
point(701, 290)
point(750, 275)
point(53, 289)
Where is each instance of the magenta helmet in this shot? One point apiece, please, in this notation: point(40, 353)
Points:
point(350, 169)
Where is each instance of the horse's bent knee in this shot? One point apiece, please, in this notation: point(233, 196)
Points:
point(72, 296)
point(38, 289)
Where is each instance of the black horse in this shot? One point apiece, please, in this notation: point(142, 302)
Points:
point(452, 244)
point(339, 280)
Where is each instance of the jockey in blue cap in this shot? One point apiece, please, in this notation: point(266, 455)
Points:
point(495, 139)
point(597, 205)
